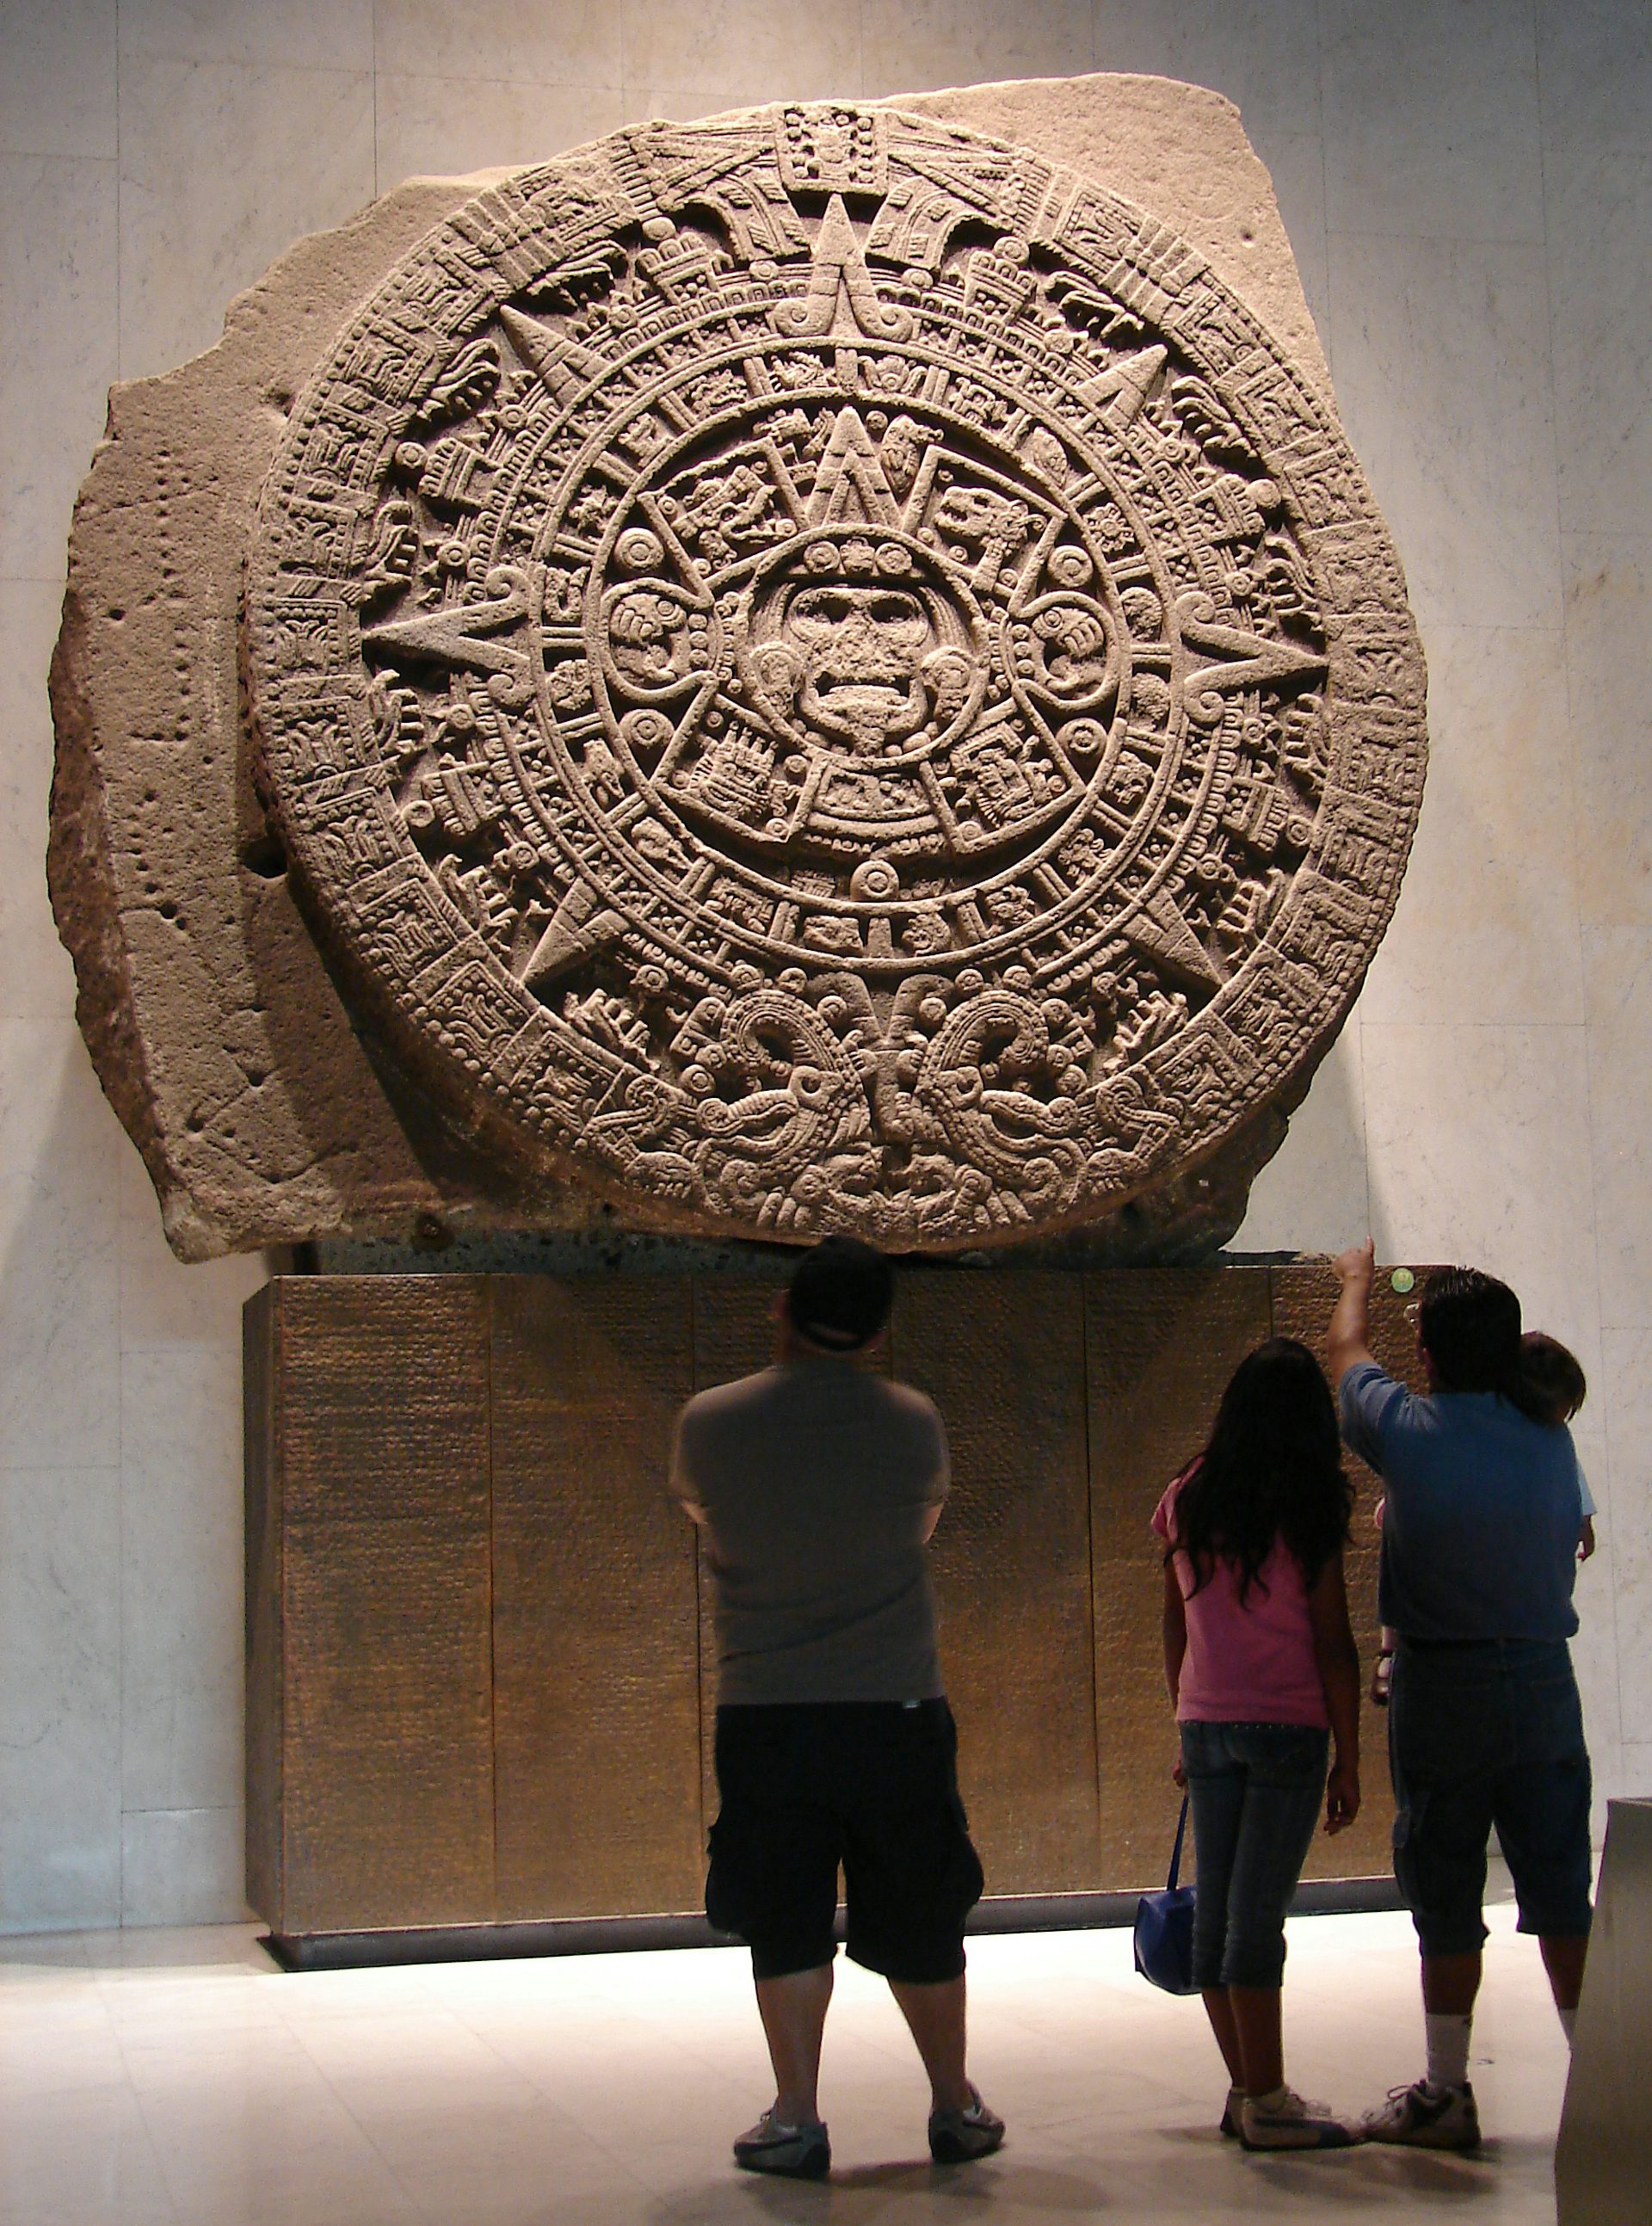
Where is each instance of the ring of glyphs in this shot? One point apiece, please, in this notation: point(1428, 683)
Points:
point(820, 670)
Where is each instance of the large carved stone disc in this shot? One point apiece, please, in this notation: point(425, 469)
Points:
point(821, 671)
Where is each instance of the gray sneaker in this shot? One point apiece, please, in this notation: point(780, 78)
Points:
point(1229, 2128)
point(1286, 2120)
point(792, 2152)
point(1424, 2117)
point(960, 2136)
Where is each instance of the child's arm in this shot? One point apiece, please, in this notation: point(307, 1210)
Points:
point(1175, 1627)
point(1337, 1657)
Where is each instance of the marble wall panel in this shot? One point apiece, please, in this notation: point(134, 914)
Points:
point(1444, 382)
point(180, 1575)
point(57, 91)
point(165, 1306)
point(443, 127)
point(1264, 55)
point(1430, 116)
point(1609, 674)
point(181, 1866)
point(574, 42)
point(1594, 60)
point(1312, 1192)
point(1599, 198)
point(302, 34)
point(1487, 924)
point(1296, 162)
point(59, 1292)
point(907, 46)
point(58, 310)
point(1625, 1383)
point(788, 50)
point(1618, 964)
point(1478, 1148)
point(60, 1697)
point(222, 166)
point(1466, 189)
point(36, 978)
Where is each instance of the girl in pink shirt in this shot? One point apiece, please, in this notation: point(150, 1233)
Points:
point(1263, 1674)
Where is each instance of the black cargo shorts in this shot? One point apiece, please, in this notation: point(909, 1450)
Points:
point(871, 1788)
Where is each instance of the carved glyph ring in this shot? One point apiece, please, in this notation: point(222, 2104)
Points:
point(817, 670)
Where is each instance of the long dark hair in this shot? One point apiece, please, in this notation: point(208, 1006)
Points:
point(1272, 1471)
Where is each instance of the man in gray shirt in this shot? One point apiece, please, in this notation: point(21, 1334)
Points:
point(817, 1486)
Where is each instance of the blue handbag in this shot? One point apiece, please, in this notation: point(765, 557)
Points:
point(1163, 1927)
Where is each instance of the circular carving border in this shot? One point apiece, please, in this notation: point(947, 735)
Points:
point(822, 671)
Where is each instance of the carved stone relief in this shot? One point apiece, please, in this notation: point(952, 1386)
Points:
point(823, 669)
point(830, 673)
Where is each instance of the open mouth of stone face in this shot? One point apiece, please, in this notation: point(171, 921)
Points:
point(872, 711)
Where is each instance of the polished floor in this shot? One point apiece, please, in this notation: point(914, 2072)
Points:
point(149, 2077)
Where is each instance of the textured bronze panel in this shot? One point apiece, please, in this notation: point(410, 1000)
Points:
point(387, 1750)
point(595, 1638)
point(1002, 1357)
point(261, 1448)
point(1161, 1344)
point(395, 1700)
point(1303, 1300)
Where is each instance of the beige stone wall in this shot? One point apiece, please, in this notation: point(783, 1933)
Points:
point(1468, 193)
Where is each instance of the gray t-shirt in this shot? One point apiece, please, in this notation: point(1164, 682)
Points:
point(816, 1479)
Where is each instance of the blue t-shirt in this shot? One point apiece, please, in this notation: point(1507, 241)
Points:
point(1480, 1532)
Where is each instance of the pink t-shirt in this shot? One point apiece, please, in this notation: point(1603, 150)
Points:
point(1249, 1663)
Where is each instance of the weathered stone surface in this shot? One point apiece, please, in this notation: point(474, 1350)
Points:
point(813, 669)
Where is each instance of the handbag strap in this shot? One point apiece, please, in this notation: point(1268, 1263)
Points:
point(1176, 1852)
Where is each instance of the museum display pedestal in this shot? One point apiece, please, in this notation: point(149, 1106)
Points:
point(480, 1670)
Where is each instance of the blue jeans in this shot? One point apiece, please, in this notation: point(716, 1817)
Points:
point(1485, 1734)
point(1256, 1790)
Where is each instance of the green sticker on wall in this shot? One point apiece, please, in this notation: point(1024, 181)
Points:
point(1403, 1281)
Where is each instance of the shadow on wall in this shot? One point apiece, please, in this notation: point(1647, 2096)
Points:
point(60, 1485)
point(60, 1253)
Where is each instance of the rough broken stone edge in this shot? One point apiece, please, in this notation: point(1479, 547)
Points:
point(79, 863)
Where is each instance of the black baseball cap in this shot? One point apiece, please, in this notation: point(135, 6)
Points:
point(840, 1294)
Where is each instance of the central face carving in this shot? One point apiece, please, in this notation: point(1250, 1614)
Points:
point(859, 649)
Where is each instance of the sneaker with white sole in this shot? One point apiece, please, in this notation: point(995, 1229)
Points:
point(1422, 2116)
point(960, 2136)
point(802, 2152)
point(1286, 2120)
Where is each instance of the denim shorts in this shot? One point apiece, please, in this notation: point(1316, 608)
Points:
point(870, 1787)
point(1482, 1735)
point(1256, 1790)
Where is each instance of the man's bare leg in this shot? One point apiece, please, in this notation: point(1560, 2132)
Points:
point(935, 2017)
point(1563, 1959)
point(1450, 1983)
point(793, 2010)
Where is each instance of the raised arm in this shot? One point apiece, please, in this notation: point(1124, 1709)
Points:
point(1347, 1340)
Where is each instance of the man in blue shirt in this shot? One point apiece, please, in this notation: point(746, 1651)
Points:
point(1479, 1553)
